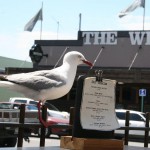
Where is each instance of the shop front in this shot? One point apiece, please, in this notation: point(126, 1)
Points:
point(123, 56)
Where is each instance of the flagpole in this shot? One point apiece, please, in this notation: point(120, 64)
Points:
point(144, 16)
point(41, 22)
point(80, 22)
point(41, 31)
point(57, 29)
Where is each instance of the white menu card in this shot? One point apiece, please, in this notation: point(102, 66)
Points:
point(98, 105)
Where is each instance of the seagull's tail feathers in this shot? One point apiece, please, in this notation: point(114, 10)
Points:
point(3, 78)
point(6, 84)
point(11, 86)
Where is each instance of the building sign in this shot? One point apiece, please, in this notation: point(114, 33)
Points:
point(142, 92)
point(111, 38)
point(120, 48)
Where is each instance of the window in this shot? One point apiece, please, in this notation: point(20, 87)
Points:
point(5, 106)
point(136, 117)
point(33, 102)
point(133, 116)
point(20, 101)
point(51, 107)
point(31, 107)
point(120, 115)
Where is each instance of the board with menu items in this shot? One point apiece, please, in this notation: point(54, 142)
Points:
point(95, 108)
point(98, 105)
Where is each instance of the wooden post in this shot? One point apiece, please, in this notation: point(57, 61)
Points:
point(127, 131)
point(72, 111)
point(21, 129)
point(120, 95)
point(146, 137)
point(71, 119)
point(43, 129)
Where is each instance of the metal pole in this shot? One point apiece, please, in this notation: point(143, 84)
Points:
point(80, 22)
point(97, 56)
point(144, 16)
point(41, 23)
point(57, 29)
point(142, 104)
point(61, 56)
point(140, 47)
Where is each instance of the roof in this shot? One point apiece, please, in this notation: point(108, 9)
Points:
point(131, 111)
point(10, 62)
point(111, 49)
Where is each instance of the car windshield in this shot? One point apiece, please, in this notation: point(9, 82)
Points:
point(54, 114)
point(51, 107)
point(31, 107)
point(5, 106)
point(120, 115)
point(136, 117)
point(33, 102)
point(20, 101)
point(133, 116)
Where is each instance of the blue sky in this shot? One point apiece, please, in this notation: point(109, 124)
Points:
point(97, 15)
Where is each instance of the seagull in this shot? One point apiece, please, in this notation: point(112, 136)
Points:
point(46, 84)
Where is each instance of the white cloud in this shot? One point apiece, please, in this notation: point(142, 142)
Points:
point(17, 46)
point(131, 22)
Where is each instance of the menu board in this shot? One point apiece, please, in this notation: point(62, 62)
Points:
point(97, 110)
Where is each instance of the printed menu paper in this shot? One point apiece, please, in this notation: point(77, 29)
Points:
point(98, 105)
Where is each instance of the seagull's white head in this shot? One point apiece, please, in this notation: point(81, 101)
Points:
point(76, 58)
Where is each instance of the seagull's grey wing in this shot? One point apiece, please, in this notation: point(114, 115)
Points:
point(35, 82)
point(51, 74)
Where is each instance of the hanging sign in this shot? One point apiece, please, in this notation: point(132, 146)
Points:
point(142, 92)
point(98, 105)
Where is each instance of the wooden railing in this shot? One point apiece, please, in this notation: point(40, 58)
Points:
point(21, 125)
point(127, 129)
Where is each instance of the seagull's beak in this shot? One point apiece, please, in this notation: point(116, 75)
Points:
point(88, 63)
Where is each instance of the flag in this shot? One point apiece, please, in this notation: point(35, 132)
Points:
point(30, 25)
point(132, 7)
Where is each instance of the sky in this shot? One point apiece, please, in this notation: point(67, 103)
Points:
point(61, 21)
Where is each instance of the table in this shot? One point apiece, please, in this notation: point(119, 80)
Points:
point(58, 148)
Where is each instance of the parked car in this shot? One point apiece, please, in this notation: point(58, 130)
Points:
point(51, 108)
point(9, 105)
point(9, 112)
point(136, 119)
point(54, 118)
point(22, 100)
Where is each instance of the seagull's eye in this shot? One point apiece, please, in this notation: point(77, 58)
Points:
point(79, 56)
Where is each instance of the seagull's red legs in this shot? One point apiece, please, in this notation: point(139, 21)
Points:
point(44, 123)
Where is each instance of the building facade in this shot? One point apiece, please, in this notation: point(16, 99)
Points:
point(123, 56)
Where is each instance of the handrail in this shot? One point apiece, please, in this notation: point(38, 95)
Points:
point(22, 125)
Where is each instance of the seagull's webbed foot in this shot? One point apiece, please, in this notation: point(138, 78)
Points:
point(44, 123)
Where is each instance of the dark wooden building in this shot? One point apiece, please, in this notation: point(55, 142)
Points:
point(124, 56)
